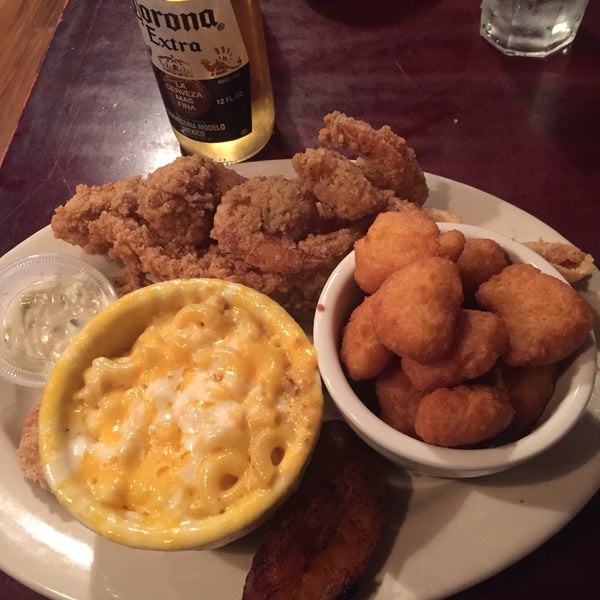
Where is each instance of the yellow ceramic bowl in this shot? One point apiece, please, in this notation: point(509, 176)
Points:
point(181, 415)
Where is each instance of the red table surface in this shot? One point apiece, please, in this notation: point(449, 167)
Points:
point(526, 130)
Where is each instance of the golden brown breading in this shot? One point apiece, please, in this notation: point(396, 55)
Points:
point(530, 390)
point(268, 222)
point(462, 415)
point(394, 240)
point(417, 309)
point(362, 352)
point(175, 204)
point(451, 244)
point(340, 186)
point(385, 158)
point(71, 222)
point(481, 338)
point(28, 453)
point(179, 199)
point(571, 262)
point(398, 399)
point(269, 233)
point(480, 259)
point(547, 319)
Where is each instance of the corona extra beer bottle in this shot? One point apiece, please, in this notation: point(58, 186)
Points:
point(211, 66)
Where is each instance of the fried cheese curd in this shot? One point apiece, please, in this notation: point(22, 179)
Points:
point(530, 389)
point(362, 351)
point(547, 319)
point(480, 259)
point(417, 308)
point(480, 340)
point(463, 415)
point(398, 398)
point(449, 327)
point(394, 240)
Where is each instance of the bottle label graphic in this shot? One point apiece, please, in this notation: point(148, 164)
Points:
point(201, 65)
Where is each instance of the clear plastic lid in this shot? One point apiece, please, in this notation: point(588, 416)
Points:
point(45, 300)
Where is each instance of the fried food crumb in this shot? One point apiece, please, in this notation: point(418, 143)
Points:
point(28, 453)
point(571, 262)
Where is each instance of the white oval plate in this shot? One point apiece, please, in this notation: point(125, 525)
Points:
point(444, 535)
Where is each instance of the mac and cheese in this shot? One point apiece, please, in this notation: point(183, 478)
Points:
point(200, 414)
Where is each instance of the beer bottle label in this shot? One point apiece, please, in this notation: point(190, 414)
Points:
point(201, 66)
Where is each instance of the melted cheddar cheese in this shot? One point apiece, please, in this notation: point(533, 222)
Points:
point(198, 415)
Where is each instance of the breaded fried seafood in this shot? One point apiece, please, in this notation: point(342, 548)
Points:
point(547, 320)
point(329, 176)
point(268, 223)
point(174, 205)
point(197, 218)
point(385, 158)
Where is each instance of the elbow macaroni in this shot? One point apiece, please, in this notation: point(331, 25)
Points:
point(200, 414)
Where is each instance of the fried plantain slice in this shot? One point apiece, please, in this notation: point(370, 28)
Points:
point(321, 540)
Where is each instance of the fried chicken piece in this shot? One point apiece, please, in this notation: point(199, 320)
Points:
point(362, 352)
point(394, 240)
point(417, 309)
point(28, 452)
point(385, 158)
point(571, 262)
point(319, 544)
point(547, 320)
point(340, 186)
point(463, 415)
point(481, 338)
point(398, 399)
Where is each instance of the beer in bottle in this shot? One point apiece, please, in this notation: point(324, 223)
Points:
point(210, 62)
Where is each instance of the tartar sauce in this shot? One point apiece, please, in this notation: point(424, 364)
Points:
point(40, 322)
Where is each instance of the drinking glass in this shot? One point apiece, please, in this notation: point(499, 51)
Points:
point(531, 27)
